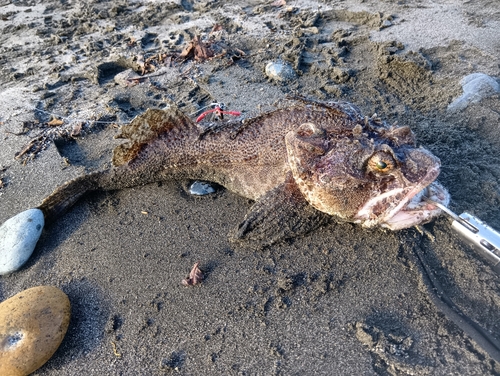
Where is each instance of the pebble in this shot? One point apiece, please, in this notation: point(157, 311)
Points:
point(126, 78)
point(18, 238)
point(201, 188)
point(385, 24)
point(476, 86)
point(280, 71)
point(32, 326)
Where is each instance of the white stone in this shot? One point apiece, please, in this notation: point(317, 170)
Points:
point(201, 188)
point(280, 71)
point(385, 23)
point(476, 86)
point(18, 238)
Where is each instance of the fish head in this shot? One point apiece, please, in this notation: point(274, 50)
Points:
point(366, 173)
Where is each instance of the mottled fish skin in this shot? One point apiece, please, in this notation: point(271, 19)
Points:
point(248, 158)
point(363, 171)
point(321, 154)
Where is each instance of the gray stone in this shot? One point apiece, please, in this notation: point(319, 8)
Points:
point(18, 238)
point(385, 24)
point(126, 78)
point(476, 86)
point(280, 71)
point(201, 188)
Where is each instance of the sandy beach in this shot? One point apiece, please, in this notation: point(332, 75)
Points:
point(341, 300)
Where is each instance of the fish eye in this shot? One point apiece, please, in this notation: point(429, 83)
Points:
point(381, 162)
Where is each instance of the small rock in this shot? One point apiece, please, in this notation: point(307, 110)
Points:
point(32, 326)
point(313, 30)
point(476, 86)
point(280, 71)
point(126, 78)
point(339, 75)
point(18, 238)
point(385, 24)
point(201, 188)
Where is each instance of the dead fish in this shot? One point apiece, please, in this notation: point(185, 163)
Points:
point(302, 165)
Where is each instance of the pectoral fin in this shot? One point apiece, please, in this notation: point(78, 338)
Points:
point(282, 213)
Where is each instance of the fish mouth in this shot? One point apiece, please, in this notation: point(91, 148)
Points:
point(405, 207)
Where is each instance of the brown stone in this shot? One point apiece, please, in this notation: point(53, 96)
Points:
point(32, 326)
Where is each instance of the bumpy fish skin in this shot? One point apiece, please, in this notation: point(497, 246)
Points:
point(301, 164)
point(363, 171)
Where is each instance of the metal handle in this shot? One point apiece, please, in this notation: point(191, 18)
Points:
point(481, 237)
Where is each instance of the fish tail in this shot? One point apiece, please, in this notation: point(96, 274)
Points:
point(66, 195)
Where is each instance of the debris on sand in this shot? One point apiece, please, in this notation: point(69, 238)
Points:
point(2, 177)
point(279, 3)
point(32, 148)
point(197, 50)
point(48, 133)
point(201, 51)
point(55, 122)
point(195, 276)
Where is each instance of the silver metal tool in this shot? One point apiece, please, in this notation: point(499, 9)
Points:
point(481, 237)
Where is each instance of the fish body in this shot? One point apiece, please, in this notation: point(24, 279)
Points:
point(248, 158)
point(301, 165)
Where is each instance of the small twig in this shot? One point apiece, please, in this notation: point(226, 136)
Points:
point(115, 350)
point(28, 147)
point(16, 134)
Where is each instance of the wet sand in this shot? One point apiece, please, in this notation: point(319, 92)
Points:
point(341, 300)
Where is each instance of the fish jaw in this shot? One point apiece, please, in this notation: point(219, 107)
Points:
point(419, 211)
point(409, 208)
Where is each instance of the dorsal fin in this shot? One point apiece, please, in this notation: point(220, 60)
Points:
point(147, 127)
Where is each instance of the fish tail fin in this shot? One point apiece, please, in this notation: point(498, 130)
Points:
point(66, 195)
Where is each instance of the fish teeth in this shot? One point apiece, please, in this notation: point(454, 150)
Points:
point(416, 200)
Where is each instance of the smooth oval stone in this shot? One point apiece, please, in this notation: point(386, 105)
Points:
point(18, 238)
point(201, 188)
point(280, 71)
point(32, 326)
point(476, 86)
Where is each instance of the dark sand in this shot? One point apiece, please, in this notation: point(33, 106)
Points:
point(342, 300)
